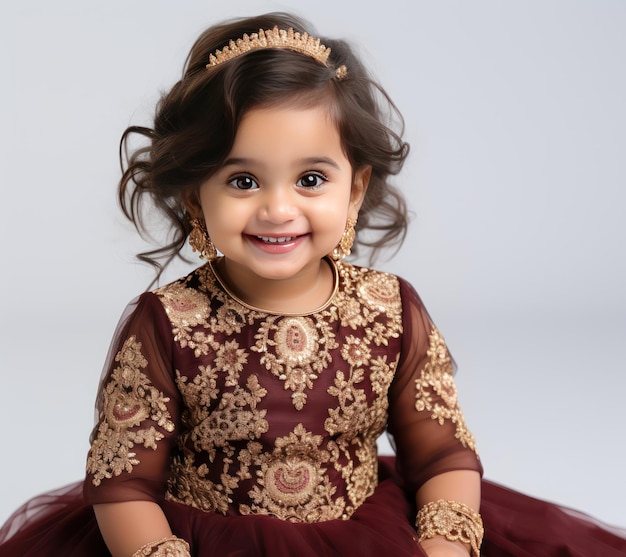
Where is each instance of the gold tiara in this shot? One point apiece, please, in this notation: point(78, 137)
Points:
point(275, 38)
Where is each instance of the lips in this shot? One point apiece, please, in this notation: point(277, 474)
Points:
point(277, 244)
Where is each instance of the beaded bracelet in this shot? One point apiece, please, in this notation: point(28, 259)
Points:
point(453, 520)
point(167, 547)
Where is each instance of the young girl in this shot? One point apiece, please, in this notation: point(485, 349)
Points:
point(240, 406)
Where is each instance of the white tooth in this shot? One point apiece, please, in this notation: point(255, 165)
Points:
point(273, 240)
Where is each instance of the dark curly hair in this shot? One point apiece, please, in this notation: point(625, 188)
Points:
point(196, 122)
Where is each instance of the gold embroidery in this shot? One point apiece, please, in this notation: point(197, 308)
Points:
point(381, 376)
point(380, 293)
point(370, 300)
point(356, 425)
point(292, 483)
point(347, 425)
point(185, 307)
point(189, 484)
point(436, 383)
point(189, 312)
point(129, 399)
point(347, 417)
point(362, 393)
point(355, 351)
point(231, 359)
point(236, 418)
point(296, 350)
point(230, 316)
point(296, 340)
point(230, 458)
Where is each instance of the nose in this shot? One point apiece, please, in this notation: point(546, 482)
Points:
point(278, 204)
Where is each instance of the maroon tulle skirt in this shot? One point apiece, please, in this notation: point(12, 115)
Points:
point(61, 524)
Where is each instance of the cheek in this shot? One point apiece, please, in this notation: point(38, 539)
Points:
point(333, 213)
point(223, 215)
point(332, 221)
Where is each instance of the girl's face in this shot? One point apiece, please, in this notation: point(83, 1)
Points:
point(280, 202)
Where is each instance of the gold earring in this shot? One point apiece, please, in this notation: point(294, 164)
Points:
point(200, 241)
point(344, 247)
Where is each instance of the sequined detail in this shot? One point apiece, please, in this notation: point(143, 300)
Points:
point(379, 293)
point(291, 348)
point(171, 546)
point(275, 415)
point(292, 482)
point(230, 456)
point(221, 429)
point(129, 400)
point(436, 390)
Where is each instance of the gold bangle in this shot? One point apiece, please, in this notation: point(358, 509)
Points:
point(167, 547)
point(453, 520)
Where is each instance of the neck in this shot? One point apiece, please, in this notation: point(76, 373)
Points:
point(303, 294)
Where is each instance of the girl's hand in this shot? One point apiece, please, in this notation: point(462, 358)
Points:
point(440, 547)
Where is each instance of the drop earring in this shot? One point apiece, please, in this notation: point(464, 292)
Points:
point(344, 247)
point(200, 241)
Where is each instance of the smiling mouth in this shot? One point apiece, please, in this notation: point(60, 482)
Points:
point(276, 240)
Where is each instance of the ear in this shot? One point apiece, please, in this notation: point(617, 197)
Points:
point(359, 189)
point(192, 203)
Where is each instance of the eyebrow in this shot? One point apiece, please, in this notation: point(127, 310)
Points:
point(242, 161)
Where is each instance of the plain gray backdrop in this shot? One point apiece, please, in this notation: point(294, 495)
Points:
point(516, 116)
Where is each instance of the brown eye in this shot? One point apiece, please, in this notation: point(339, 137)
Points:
point(243, 183)
point(311, 180)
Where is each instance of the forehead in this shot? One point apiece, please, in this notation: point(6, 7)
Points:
point(284, 131)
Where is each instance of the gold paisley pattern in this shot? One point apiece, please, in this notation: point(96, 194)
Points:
point(291, 348)
point(436, 383)
point(229, 455)
point(129, 400)
point(293, 484)
point(279, 414)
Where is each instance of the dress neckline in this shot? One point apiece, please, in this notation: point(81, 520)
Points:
point(233, 296)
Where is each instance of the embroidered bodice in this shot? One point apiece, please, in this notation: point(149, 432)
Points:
point(230, 409)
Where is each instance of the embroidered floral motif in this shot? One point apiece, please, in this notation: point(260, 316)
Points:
point(348, 417)
point(292, 483)
point(236, 418)
point(381, 376)
point(129, 400)
point(189, 484)
point(380, 293)
point(230, 316)
point(353, 415)
point(296, 350)
point(436, 386)
point(370, 300)
point(185, 307)
point(296, 340)
point(189, 309)
point(231, 359)
point(355, 351)
point(230, 458)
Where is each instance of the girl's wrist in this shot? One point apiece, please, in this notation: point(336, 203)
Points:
point(441, 547)
point(450, 522)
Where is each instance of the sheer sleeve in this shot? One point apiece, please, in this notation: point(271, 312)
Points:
point(138, 410)
point(425, 421)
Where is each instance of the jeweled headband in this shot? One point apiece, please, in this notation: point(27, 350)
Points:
point(276, 38)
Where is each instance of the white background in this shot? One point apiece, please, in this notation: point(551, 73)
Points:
point(517, 118)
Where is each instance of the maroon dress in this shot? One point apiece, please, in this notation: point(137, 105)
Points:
point(256, 432)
